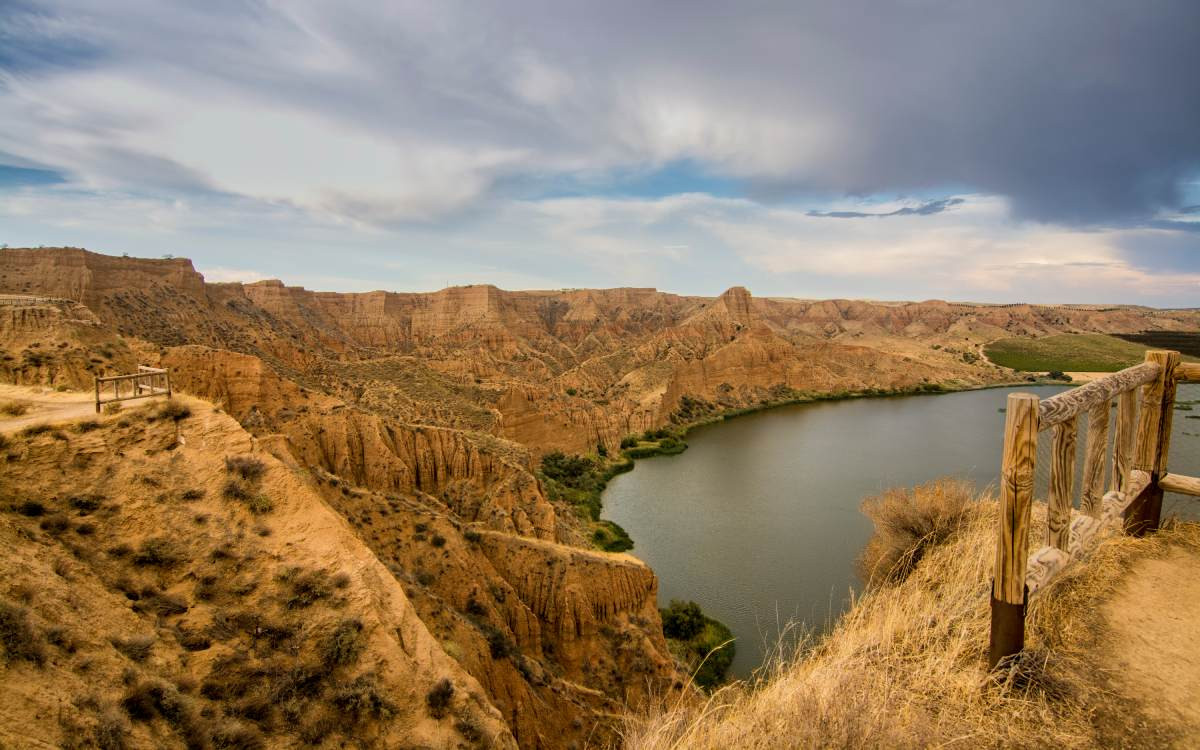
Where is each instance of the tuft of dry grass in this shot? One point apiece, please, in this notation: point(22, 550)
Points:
point(905, 666)
point(174, 410)
point(910, 522)
point(13, 408)
point(247, 467)
point(20, 639)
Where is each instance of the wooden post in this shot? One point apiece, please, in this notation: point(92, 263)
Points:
point(1122, 460)
point(167, 375)
point(1153, 442)
point(97, 383)
point(1095, 450)
point(1009, 594)
point(1062, 484)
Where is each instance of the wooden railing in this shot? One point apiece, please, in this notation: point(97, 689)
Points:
point(146, 382)
point(1132, 501)
point(25, 300)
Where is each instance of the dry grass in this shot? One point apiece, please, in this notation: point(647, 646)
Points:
point(905, 666)
point(13, 408)
point(910, 522)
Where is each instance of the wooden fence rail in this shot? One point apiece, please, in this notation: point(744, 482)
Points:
point(146, 382)
point(1132, 500)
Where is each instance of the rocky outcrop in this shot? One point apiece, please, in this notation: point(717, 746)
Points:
point(57, 343)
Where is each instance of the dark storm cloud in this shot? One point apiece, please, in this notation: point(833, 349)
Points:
point(1079, 111)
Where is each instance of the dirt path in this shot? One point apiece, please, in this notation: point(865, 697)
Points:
point(1155, 620)
point(43, 405)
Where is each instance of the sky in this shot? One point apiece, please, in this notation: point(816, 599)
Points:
point(916, 149)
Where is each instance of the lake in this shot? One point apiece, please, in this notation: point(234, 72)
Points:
point(759, 522)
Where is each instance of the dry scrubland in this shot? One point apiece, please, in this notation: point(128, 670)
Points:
point(444, 451)
point(905, 666)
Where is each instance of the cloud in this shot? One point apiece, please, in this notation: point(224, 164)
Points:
point(1072, 110)
point(566, 144)
point(927, 208)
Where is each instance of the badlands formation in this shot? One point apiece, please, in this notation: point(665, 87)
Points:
point(340, 531)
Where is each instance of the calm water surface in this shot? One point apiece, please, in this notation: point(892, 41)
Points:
point(759, 522)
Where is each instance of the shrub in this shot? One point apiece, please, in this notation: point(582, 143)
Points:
point(437, 540)
point(192, 494)
point(682, 621)
point(235, 490)
point(87, 425)
point(31, 508)
point(174, 410)
point(361, 698)
point(60, 637)
point(247, 467)
point(13, 408)
point(234, 735)
point(18, 636)
point(1058, 375)
point(306, 587)
point(629, 441)
point(569, 470)
point(35, 429)
point(136, 648)
point(344, 645)
point(85, 503)
point(908, 523)
point(498, 643)
point(471, 535)
point(193, 641)
point(110, 731)
point(260, 504)
point(147, 700)
point(55, 524)
point(165, 605)
point(438, 698)
point(113, 408)
point(158, 550)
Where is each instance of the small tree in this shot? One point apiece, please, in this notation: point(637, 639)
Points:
point(682, 621)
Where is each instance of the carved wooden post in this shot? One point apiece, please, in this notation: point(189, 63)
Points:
point(1092, 495)
point(1062, 484)
point(1009, 594)
point(1122, 460)
point(1153, 442)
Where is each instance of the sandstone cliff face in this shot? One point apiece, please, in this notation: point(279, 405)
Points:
point(58, 343)
point(558, 637)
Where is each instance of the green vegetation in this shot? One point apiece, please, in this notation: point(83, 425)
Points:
point(700, 642)
point(660, 442)
point(579, 481)
point(1071, 352)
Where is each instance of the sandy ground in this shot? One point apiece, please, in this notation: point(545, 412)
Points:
point(44, 405)
point(1155, 621)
